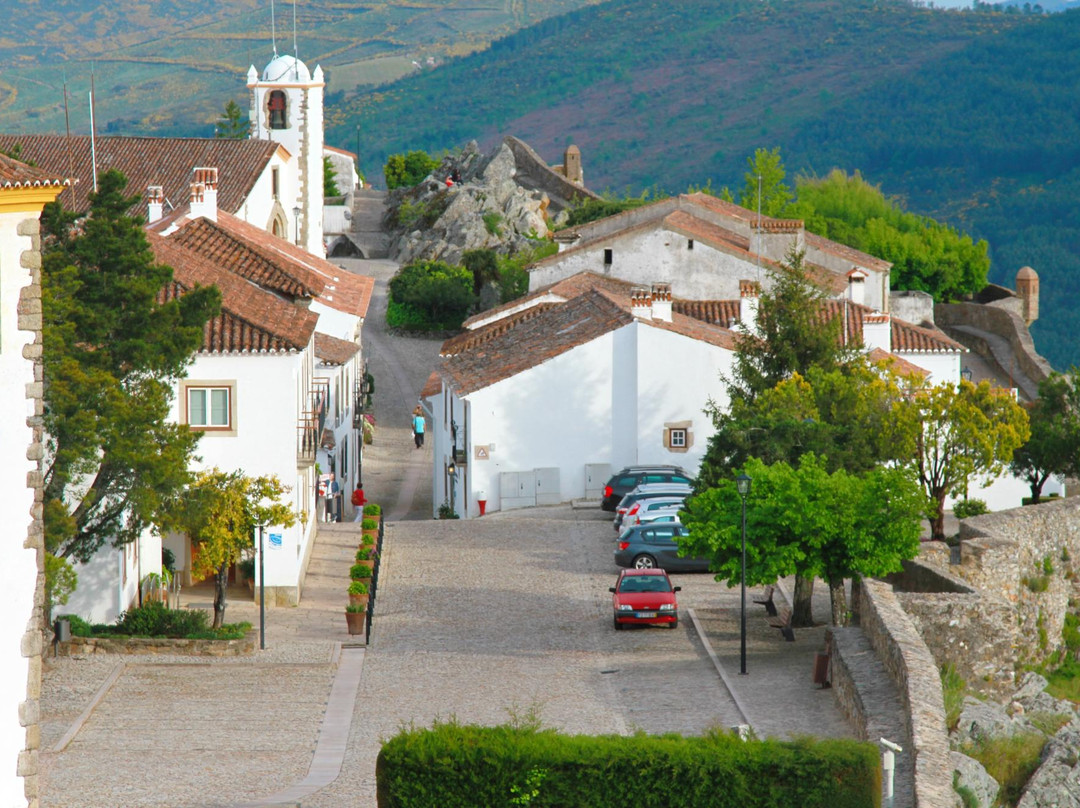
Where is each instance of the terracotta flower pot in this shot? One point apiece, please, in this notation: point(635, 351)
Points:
point(364, 599)
point(355, 621)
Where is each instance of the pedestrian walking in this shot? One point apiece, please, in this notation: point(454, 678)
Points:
point(418, 427)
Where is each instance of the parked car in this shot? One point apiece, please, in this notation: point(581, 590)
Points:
point(644, 596)
point(652, 546)
point(647, 510)
point(624, 482)
point(648, 491)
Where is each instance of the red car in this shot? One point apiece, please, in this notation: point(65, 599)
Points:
point(644, 596)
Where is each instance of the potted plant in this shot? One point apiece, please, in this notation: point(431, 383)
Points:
point(358, 592)
point(373, 511)
point(355, 614)
point(362, 568)
point(369, 527)
point(246, 569)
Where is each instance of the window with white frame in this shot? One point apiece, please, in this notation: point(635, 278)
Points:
point(678, 436)
point(209, 407)
point(678, 439)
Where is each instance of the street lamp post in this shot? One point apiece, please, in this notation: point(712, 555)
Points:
point(742, 483)
point(296, 218)
point(262, 594)
point(452, 471)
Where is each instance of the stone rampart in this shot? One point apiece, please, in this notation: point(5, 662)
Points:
point(533, 172)
point(897, 642)
point(1000, 321)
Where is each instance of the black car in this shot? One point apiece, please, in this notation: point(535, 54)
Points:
point(654, 545)
point(624, 482)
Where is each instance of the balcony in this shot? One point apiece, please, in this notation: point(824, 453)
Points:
point(310, 426)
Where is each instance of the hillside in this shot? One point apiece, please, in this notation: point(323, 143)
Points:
point(968, 117)
point(171, 66)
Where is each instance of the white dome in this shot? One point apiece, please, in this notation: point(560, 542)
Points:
point(286, 68)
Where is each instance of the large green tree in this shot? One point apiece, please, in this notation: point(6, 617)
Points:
point(113, 351)
point(406, 170)
point(232, 125)
point(1054, 444)
point(764, 186)
point(803, 520)
point(220, 512)
point(961, 433)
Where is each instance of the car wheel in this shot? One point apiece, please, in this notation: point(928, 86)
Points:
point(674, 624)
point(644, 562)
point(618, 625)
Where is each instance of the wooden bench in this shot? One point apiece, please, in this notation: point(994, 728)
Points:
point(782, 621)
point(770, 607)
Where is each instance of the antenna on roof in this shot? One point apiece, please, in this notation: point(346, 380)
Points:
point(93, 151)
point(296, 54)
point(273, 28)
point(67, 141)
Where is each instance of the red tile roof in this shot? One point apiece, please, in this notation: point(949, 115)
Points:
point(477, 336)
point(16, 174)
point(534, 341)
point(433, 385)
point(850, 253)
point(724, 313)
point(334, 351)
point(145, 161)
point(252, 320)
point(340, 289)
point(244, 257)
point(564, 289)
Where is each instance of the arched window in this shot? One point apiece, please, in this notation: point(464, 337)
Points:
point(277, 109)
point(278, 227)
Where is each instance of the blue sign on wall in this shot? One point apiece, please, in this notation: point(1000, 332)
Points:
point(275, 540)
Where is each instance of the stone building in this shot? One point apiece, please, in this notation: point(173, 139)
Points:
point(24, 191)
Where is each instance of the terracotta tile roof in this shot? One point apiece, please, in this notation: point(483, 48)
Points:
point(850, 253)
point(680, 323)
point(723, 207)
point(16, 174)
point(433, 385)
point(341, 289)
point(534, 341)
point(724, 313)
point(555, 292)
point(477, 336)
point(897, 364)
point(909, 338)
point(334, 351)
point(244, 257)
point(145, 161)
point(252, 320)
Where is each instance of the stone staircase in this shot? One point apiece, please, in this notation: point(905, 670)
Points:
point(367, 230)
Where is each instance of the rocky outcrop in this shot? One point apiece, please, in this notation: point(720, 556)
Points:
point(1056, 784)
point(494, 204)
point(971, 774)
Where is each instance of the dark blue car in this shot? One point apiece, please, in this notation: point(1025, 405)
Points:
point(654, 545)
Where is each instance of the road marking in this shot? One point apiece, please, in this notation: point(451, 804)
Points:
point(73, 730)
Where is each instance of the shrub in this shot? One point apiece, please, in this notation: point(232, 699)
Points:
point(155, 619)
point(369, 524)
point(492, 220)
point(399, 315)
point(79, 627)
point(953, 688)
point(1011, 760)
point(367, 540)
point(442, 293)
point(1048, 565)
point(356, 608)
point(358, 588)
point(406, 170)
point(1070, 633)
point(1036, 583)
point(365, 554)
point(371, 509)
point(966, 508)
point(359, 572)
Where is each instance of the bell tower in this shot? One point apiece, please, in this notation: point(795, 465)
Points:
point(287, 107)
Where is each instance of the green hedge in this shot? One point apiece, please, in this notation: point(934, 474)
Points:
point(155, 619)
point(456, 766)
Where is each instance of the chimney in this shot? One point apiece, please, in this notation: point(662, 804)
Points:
point(641, 304)
point(749, 297)
point(208, 179)
point(566, 239)
point(155, 203)
point(877, 332)
point(857, 286)
point(661, 302)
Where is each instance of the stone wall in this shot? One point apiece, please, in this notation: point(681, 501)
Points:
point(906, 657)
point(533, 172)
point(995, 320)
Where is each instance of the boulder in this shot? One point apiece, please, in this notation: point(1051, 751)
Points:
point(971, 773)
point(1056, 783)
point(983, 719)
point(1032, 696)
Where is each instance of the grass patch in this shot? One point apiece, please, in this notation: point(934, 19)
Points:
point(1010, 760)
point(1048, 722)
point(967, 796)
point(953, 688)
point(1064, 682)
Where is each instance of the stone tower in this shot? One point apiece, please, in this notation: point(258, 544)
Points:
point(287, 107)
point(1027, 287)
point(572, 165)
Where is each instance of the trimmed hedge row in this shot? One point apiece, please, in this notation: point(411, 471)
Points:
point(457, 766)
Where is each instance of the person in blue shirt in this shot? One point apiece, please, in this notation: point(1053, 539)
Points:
point(418, 427)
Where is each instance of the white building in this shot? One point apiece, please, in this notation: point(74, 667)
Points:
point(23, 193)
point(541, 398)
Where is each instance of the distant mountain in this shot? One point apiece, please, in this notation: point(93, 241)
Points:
point(171, 65)
point(971, 117)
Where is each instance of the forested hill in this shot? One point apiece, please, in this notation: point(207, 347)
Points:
point(967, 116)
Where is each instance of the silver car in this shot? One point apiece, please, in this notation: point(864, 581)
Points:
point(649, 491)
point(649, 510)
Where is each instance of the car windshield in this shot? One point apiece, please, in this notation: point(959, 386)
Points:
point(645, 583)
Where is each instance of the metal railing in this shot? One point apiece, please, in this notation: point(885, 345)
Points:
point(310, 426)
point(374, 580)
